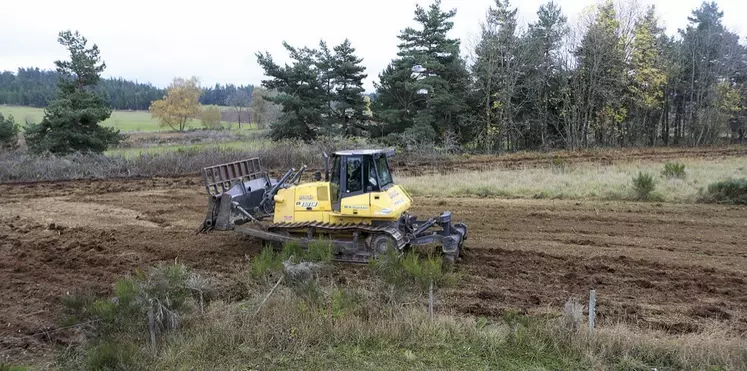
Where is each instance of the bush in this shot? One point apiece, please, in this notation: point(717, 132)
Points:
point(8, 133)
point(644, 186)
point(674, 170)
point(410, 270)
point(732, 191)
point(211, 118)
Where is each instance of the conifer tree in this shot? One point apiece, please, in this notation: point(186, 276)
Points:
point(71, 121)
point(423, 91)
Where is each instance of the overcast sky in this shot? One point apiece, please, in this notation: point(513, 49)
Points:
point(155, 40)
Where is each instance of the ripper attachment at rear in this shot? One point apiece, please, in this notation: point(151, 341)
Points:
point(356, 207)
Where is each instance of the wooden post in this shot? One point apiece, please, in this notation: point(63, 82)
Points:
point(202, 305)
point(152, 328)
point(268, 295)
point(592, 311)
point(430, 300)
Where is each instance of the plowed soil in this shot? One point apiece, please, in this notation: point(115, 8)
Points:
point(674, 267)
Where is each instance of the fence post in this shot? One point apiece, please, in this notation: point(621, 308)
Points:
point(152, 329)
point(592, 311)
point(430, 300)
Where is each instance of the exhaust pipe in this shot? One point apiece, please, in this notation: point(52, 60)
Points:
point(326, 166)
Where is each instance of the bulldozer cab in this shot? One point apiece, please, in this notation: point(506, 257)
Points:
point(358, 172)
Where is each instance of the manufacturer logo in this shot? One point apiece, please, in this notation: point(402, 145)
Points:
point(384, 212)
point(305, 197)
point(357, 207)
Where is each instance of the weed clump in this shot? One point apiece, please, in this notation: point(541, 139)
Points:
point(271, 262)
point(409, 269)
point(674, 170)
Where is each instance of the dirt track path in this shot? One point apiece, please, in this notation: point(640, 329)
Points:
point(675, 267)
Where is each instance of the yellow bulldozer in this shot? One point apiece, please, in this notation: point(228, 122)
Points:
point(357, 207)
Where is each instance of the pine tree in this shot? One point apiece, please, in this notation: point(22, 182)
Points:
point(300, 92)
point(600, 80)
point(502, 61)
point(71, 121)
point(543, 88)
point(648, 75)
point(347, 77)
point(8, 133)
point(422, 92)
point(324, 64)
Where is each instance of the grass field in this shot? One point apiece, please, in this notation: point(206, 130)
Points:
point(125, 121)
point(229, 145)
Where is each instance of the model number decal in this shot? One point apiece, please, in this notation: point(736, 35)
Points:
point(307, 203)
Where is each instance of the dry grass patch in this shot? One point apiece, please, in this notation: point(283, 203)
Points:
point(586, 181)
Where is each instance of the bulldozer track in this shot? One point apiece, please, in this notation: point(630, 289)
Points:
point(321, 227)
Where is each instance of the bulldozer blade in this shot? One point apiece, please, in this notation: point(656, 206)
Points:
point(220, 179)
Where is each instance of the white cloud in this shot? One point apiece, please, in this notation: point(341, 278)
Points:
point(157, 40)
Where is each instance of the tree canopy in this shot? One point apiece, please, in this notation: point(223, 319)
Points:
point(71, 121)
point(320, 92)
point(179, 105)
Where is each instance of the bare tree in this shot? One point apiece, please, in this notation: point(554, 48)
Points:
point(239, 100)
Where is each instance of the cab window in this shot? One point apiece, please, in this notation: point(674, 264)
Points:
point(382, 166)
point(373, 183)
point(354, 170)
point(335, 180)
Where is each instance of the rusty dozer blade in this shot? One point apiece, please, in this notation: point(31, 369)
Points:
point(221, 178)
point(233, 188)
point(241, 190)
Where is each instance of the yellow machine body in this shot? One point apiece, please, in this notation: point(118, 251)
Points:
point(357, 208)
point(313, 202)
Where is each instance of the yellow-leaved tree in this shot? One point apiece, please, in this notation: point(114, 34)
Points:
point(180, 104)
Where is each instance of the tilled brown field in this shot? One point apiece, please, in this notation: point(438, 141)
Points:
point(668, 266)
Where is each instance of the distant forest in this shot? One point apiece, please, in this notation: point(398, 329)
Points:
point(36, 88)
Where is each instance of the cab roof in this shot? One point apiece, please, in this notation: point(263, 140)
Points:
point(388, 152)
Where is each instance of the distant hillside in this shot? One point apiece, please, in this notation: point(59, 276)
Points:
point(36, 88)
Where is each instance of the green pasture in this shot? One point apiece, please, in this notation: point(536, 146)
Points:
point(125, 121)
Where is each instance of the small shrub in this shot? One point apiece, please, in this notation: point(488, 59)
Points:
point(674, 170)
point(559, 164)
point(6, 367)
point(319, 251)
point(293, 251)
point(344, 302)
point(265, 262)
point(111, 355)
point(211, 118)
point(410, 269)
point(732, 191)
point(644, 186)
